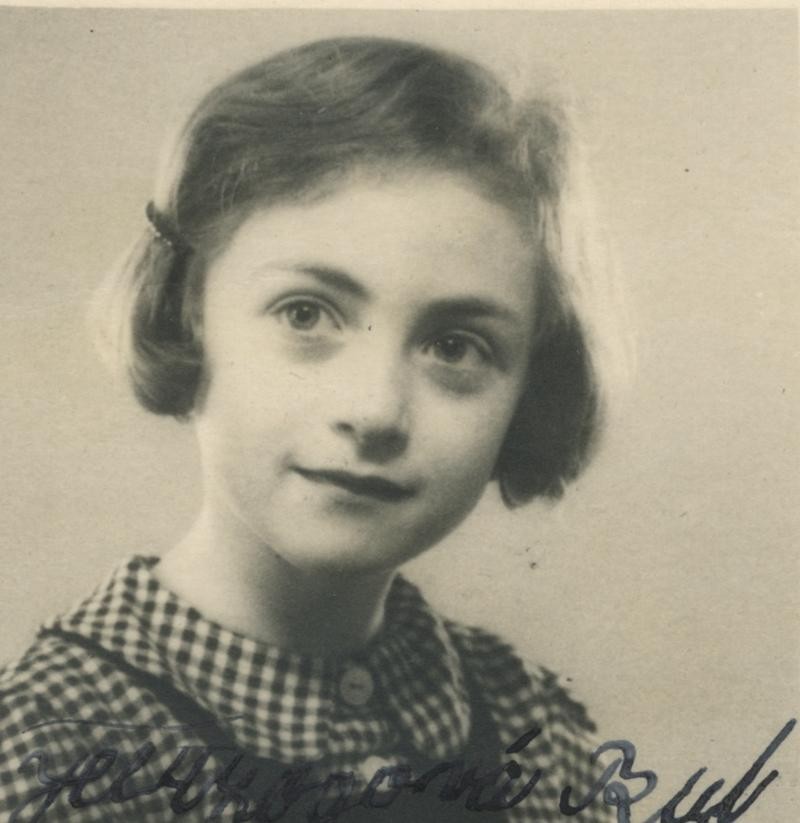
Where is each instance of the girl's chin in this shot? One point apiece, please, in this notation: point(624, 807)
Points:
point(335, 561)
point(349, 554)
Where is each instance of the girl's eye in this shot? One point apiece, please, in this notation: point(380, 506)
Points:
point(451, 349)
point(305, 315)
point(460, 350)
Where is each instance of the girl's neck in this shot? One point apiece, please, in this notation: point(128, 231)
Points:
point(249, 589)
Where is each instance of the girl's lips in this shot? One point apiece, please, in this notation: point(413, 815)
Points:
point(369, 485)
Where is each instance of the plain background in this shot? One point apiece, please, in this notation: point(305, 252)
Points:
point(665, 585)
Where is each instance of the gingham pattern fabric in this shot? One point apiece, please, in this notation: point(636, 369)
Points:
point(60, 705)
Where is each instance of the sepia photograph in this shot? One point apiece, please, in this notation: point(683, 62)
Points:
point(400, 415)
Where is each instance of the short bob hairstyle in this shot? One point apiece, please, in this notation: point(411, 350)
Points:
point(294, 125)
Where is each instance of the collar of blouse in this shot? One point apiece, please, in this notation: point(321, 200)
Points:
point(407, 685)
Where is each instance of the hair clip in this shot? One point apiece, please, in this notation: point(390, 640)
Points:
point(161, 229)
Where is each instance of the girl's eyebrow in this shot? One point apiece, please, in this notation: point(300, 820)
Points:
point(472, 307)
point(334, 278)
point(447, 308)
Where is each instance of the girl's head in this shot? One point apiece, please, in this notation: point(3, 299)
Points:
point(348, 119)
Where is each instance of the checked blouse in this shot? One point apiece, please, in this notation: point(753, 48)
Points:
point(97, 678)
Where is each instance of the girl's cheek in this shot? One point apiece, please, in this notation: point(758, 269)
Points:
point(465, 432)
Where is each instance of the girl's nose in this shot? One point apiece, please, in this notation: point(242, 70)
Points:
point(374, 412)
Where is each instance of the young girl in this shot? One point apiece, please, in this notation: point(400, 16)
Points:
point(363, 282)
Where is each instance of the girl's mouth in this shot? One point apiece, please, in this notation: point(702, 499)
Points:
point(368, 485)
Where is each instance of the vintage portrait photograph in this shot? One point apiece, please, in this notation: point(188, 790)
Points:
point(399, 415)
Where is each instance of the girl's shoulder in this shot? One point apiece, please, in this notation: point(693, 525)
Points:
point(47, 697)
point(59, 695)
point(500, 670)
point(52, 678)
point(67, 711)
point(538, 721)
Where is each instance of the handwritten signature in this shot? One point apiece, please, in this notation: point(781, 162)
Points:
point(482, 792)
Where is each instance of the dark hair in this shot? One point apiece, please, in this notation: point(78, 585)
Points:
point(299, 121)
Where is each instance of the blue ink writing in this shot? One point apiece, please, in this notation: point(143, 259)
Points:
point(493, 790)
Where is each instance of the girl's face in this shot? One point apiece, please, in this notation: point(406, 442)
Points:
point(365, 354)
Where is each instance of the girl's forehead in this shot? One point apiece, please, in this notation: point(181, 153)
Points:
point(401, 241)
point(432, 182)
point(373, 212)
